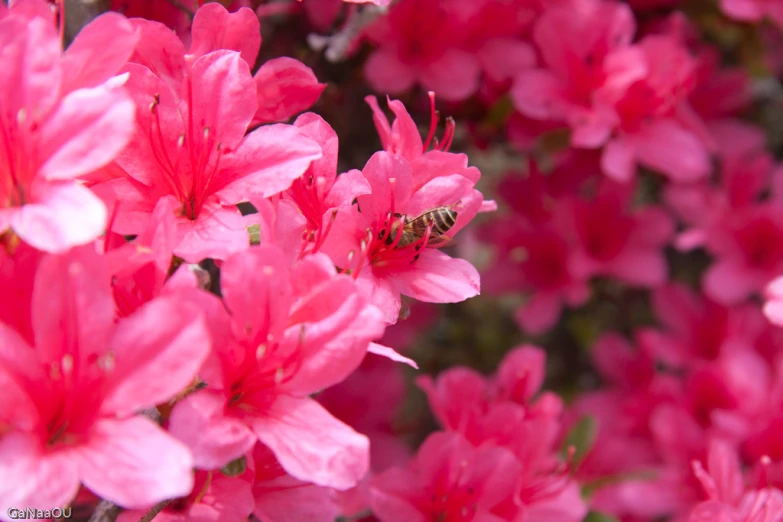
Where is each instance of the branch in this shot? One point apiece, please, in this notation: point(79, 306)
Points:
point(105, 511)
point(336, 46)
point(154, 510)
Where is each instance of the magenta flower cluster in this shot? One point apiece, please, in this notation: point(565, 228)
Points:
point(200, 312)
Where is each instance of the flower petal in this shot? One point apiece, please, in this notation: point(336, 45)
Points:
point(42, 480)
point(311, 445)
point(134, 463)
point(157, 352)
point(63, 215)
point(199, 421)
point(285, 87)
point(215, 28)
point(438, 278)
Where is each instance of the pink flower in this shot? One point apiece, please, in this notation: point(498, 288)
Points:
point(291, 332)
point(449, 480)
point(61, 119)
point(320, 191)
point(419, 43)
point(193, 112)
point(140, 268)
point(71, 396)
point(728, 498)
point(697, 329)
point(753, 10)
point(749, 253)
point(279, 497)
point(589, 63)
point(215, 497)
point(361, 240)
point(630, 249)
point(656, 127)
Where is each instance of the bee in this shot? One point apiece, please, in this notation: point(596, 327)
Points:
point(440, 219)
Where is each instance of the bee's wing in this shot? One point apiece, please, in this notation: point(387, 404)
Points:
point(438, 241)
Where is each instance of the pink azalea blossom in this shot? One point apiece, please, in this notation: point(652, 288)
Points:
point(361, 241)
point(589, 64)
point(728, 500)
point(215, 497)
point(279, 497)
point(140, 269)
point(748, 254)
point(631, 249)
point(62, 119)
point(449, 480)
point(71, 395)
point(419, 42)
point(193, 112)
point(292, 331)
point(320, 192)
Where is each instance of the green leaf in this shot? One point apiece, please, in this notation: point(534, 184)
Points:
point(595, 516)
point(581, 437)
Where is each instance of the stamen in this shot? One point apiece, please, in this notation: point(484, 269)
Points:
point(434, 118)
point(448, 135)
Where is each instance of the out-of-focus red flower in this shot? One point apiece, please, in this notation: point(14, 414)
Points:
point(753, 10)
point(420, 42)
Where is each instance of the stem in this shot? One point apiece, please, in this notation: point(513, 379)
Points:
point(154, 510)
point(105, 511)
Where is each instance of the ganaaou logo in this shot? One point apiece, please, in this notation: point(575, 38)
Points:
point(33, 514)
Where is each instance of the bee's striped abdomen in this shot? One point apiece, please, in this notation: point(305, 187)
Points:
point(443, 219)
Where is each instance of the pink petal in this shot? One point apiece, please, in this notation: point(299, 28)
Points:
point(43, 479)
point(618, 160)
point(538, 94)
point(257, 292)
point(72, 306)
point(221, 100)
point(200, 421)
point(63, 215)
point(521, 373)
point(31, 74)
point(347, 187)
point(161, 51)
point(641, 266)
point(391, 353)
point(157, 352)
point(382, 294)
point(677, 153)
point(393, 495)
point(317, 128)
point(285, 87)
point(750, 10)
point(564, 507)
point(728, 282)
point(88, 61)
point(215, 28)
point(267, 161)
point(405, 134)
point(390, 177)
point(84, 118)
point(17, 357)
point(286, 499)
point(218, 232)
point(311, 445)
point(134, 463)
point(336, 345)
point(540, 313)
point(380, 121)
point(438, 278)
point(385, 72)
point(454, 76)
point(501, 58)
